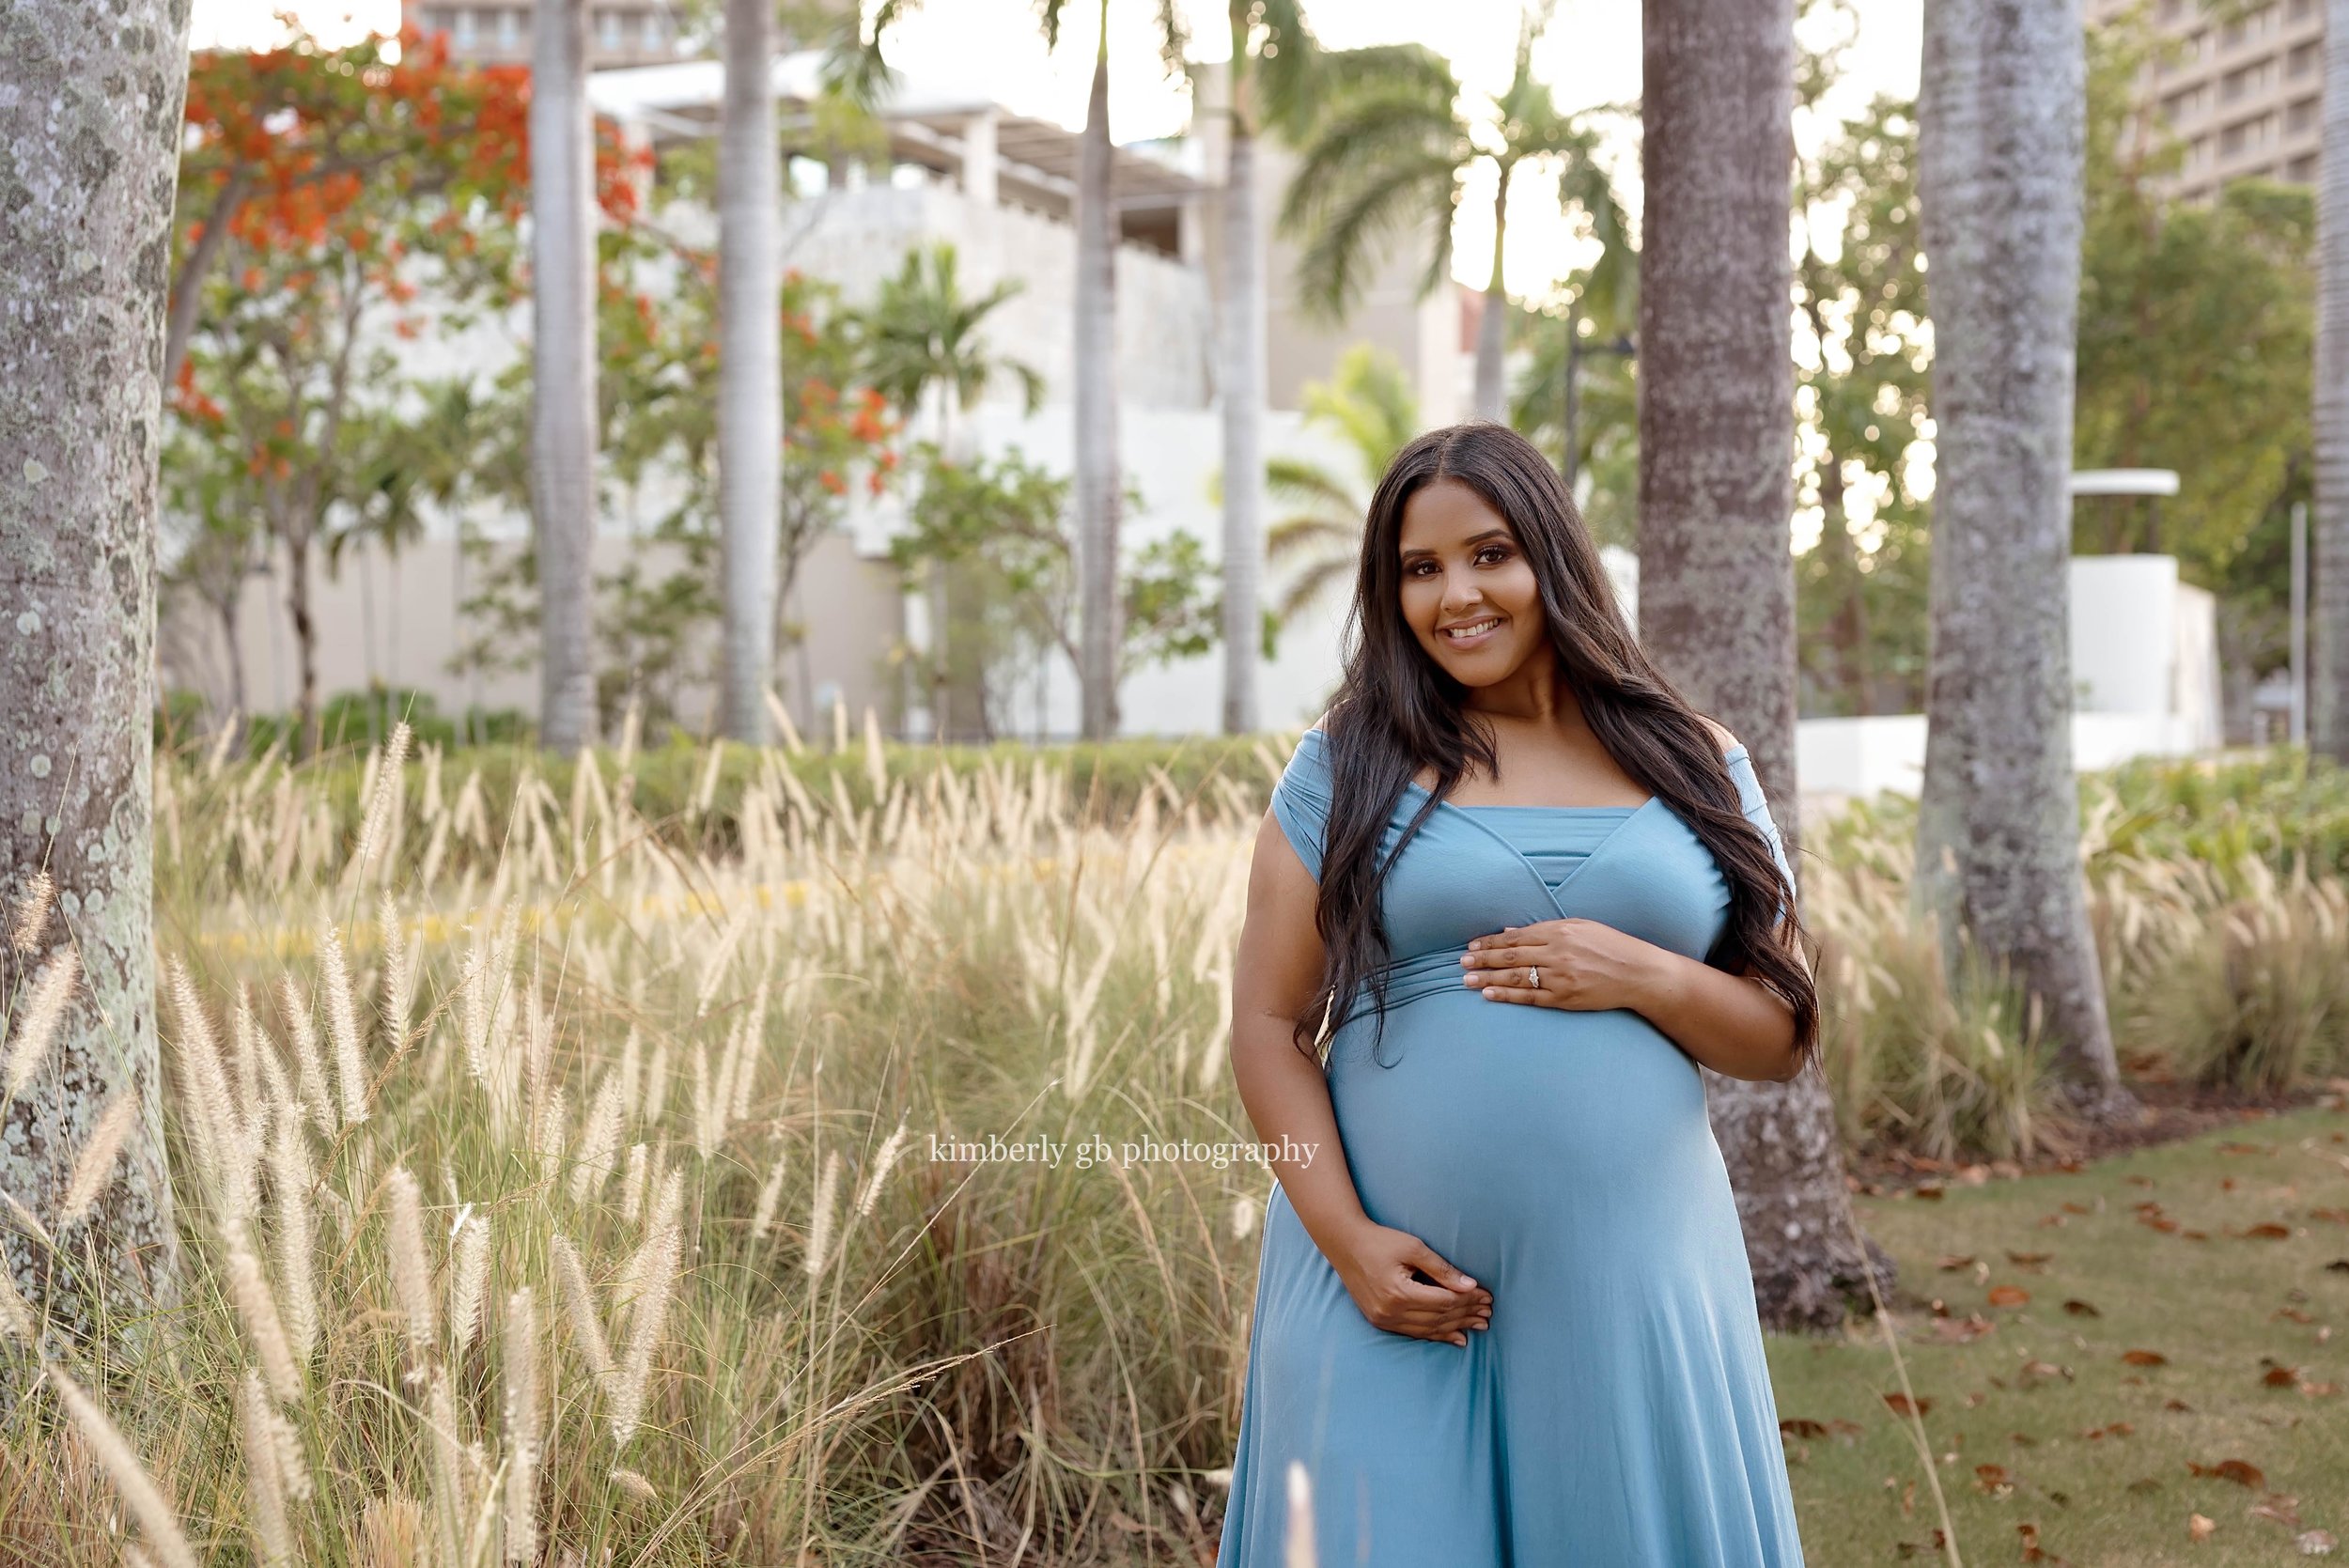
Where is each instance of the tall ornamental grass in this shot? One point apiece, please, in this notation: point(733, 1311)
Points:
point(827, 1159)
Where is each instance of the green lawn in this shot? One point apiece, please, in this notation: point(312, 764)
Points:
point(2096, 1452)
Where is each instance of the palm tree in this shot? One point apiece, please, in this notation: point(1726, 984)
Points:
point(2328, 677)
point(1390, 154)
point(1717, 584)
point(749, 365)
point(1367, 404)
point(2000, 138)
point(1100, 494)
point(563, 366)
point(925, 341)
point(89, 158)
point(855, 61)
point(1272, 52)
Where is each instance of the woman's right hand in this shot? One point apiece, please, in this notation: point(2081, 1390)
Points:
point(1376, 1263)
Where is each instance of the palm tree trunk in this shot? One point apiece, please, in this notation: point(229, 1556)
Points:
point(563, 367)
point(89, 159)
point(308, 737)
point(228, 608)
point(1716, 586)
point(1492, 322)
point(749, 365)
point(1999, 154)
point(2328, 666)
point(1243, 378)
point(1096, 470)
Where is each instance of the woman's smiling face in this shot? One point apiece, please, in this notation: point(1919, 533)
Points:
point(1468, 591)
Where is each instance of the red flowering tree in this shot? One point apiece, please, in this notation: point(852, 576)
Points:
point(658, 385)
point(323, 194)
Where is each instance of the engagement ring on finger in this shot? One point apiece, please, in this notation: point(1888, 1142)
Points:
point(1534, 979)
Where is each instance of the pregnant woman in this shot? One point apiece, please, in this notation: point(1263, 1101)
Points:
point(1504, 1315)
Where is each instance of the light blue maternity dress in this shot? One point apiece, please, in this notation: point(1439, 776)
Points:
point(1618, 1411)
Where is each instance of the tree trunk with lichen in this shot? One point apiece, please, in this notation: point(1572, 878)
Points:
point(88, 157)
point(2002, 137)
point(1716, 586)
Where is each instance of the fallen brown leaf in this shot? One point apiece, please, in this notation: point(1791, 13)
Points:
point(2081, 1308)
point(2236, 1470)
point(2008, 1296)
point(2197, 1528)
point(1952, 1263)
point(1962, 1330)
point(1900, 1406)
point(1794, 1426)
point(2144, 1358)
point(2269, 1232)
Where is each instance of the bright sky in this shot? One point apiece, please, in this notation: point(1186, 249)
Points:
point(1590, 55)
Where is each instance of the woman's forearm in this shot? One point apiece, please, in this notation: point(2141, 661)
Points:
point(1287, 1096)
point(1730, 1023)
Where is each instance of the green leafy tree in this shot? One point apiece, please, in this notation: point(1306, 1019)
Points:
point(1003, 525)
point(1862, 354)
point(2197, 343)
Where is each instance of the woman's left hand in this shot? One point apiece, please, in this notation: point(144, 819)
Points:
point(1579, 965)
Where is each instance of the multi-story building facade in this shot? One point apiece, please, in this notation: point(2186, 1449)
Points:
point(2241, 95)
point(497, 32)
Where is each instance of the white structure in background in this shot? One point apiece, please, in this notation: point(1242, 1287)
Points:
point(2145, 670)
point(2144, 679)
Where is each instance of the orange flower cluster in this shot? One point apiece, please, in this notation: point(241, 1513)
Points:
point(307, 131)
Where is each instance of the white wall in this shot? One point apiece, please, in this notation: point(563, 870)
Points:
point(1164, 336)
point(2144, 676)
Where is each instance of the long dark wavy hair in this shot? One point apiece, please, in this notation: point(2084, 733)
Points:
point(1397, 711)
